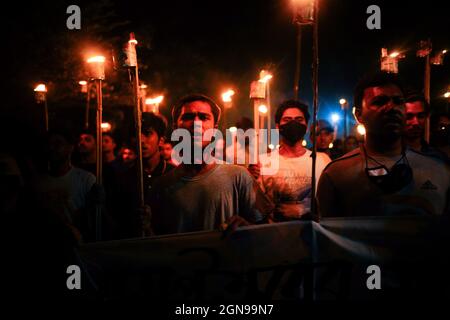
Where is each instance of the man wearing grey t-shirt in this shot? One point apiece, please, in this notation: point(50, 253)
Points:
point(202, 196)
point(383, 177)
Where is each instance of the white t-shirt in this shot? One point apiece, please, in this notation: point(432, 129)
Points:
point(290, 187)
point(67, 193)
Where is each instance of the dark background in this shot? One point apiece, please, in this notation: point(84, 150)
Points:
point(204, 46)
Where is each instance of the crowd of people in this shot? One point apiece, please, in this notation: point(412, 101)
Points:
point(393, 171)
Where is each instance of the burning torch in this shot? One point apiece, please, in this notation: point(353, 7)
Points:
point(41, 97)
point(132, 66)
point(97, 74)
point(86, 88)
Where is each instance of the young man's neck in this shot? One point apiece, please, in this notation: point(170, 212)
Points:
point(415, 144)
point(292, 150)
point(196, 169)
point(376, 146)
point(59, 169)
point(193, 169)
point(87, 158)
point(152, 162)
point(109, 157)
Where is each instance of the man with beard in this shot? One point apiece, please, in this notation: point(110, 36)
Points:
point(87, 152)
point(201, 195)
point(383, 176)
point(290, 187)
point(417, 110)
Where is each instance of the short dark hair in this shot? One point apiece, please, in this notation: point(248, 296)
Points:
point(62, 133)
point(376, 79)
point(303, 107)
point(168, 141)
point(115, 138)
point(215, 109)
point(151, 121)
point(89, 132)
point(413, 97)
point(244, 123)
point(322, 124)
point(109, 134)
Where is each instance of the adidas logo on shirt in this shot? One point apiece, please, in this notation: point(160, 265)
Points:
point(428, 185)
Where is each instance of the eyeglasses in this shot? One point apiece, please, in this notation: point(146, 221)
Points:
point(382, 100)
point(189, 116)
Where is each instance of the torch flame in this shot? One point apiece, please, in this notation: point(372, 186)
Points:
point(266, 78)
point(361, 130)
point(40, 88)
point(263, 109)
point(155, 100)
point(132, 39)
point(226, 97)
point(100, 59)
point(106, 126)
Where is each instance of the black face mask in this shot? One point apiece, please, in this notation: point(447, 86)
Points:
point(293, 131)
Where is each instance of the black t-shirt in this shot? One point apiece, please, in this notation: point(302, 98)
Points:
point(125, 198)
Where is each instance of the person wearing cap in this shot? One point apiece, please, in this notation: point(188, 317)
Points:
point(325, 138)
point(202, 195)
point(383, 177)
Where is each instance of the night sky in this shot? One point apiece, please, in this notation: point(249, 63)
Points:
point(207, 46)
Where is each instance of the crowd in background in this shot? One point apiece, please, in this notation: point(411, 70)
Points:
point(354, 176)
